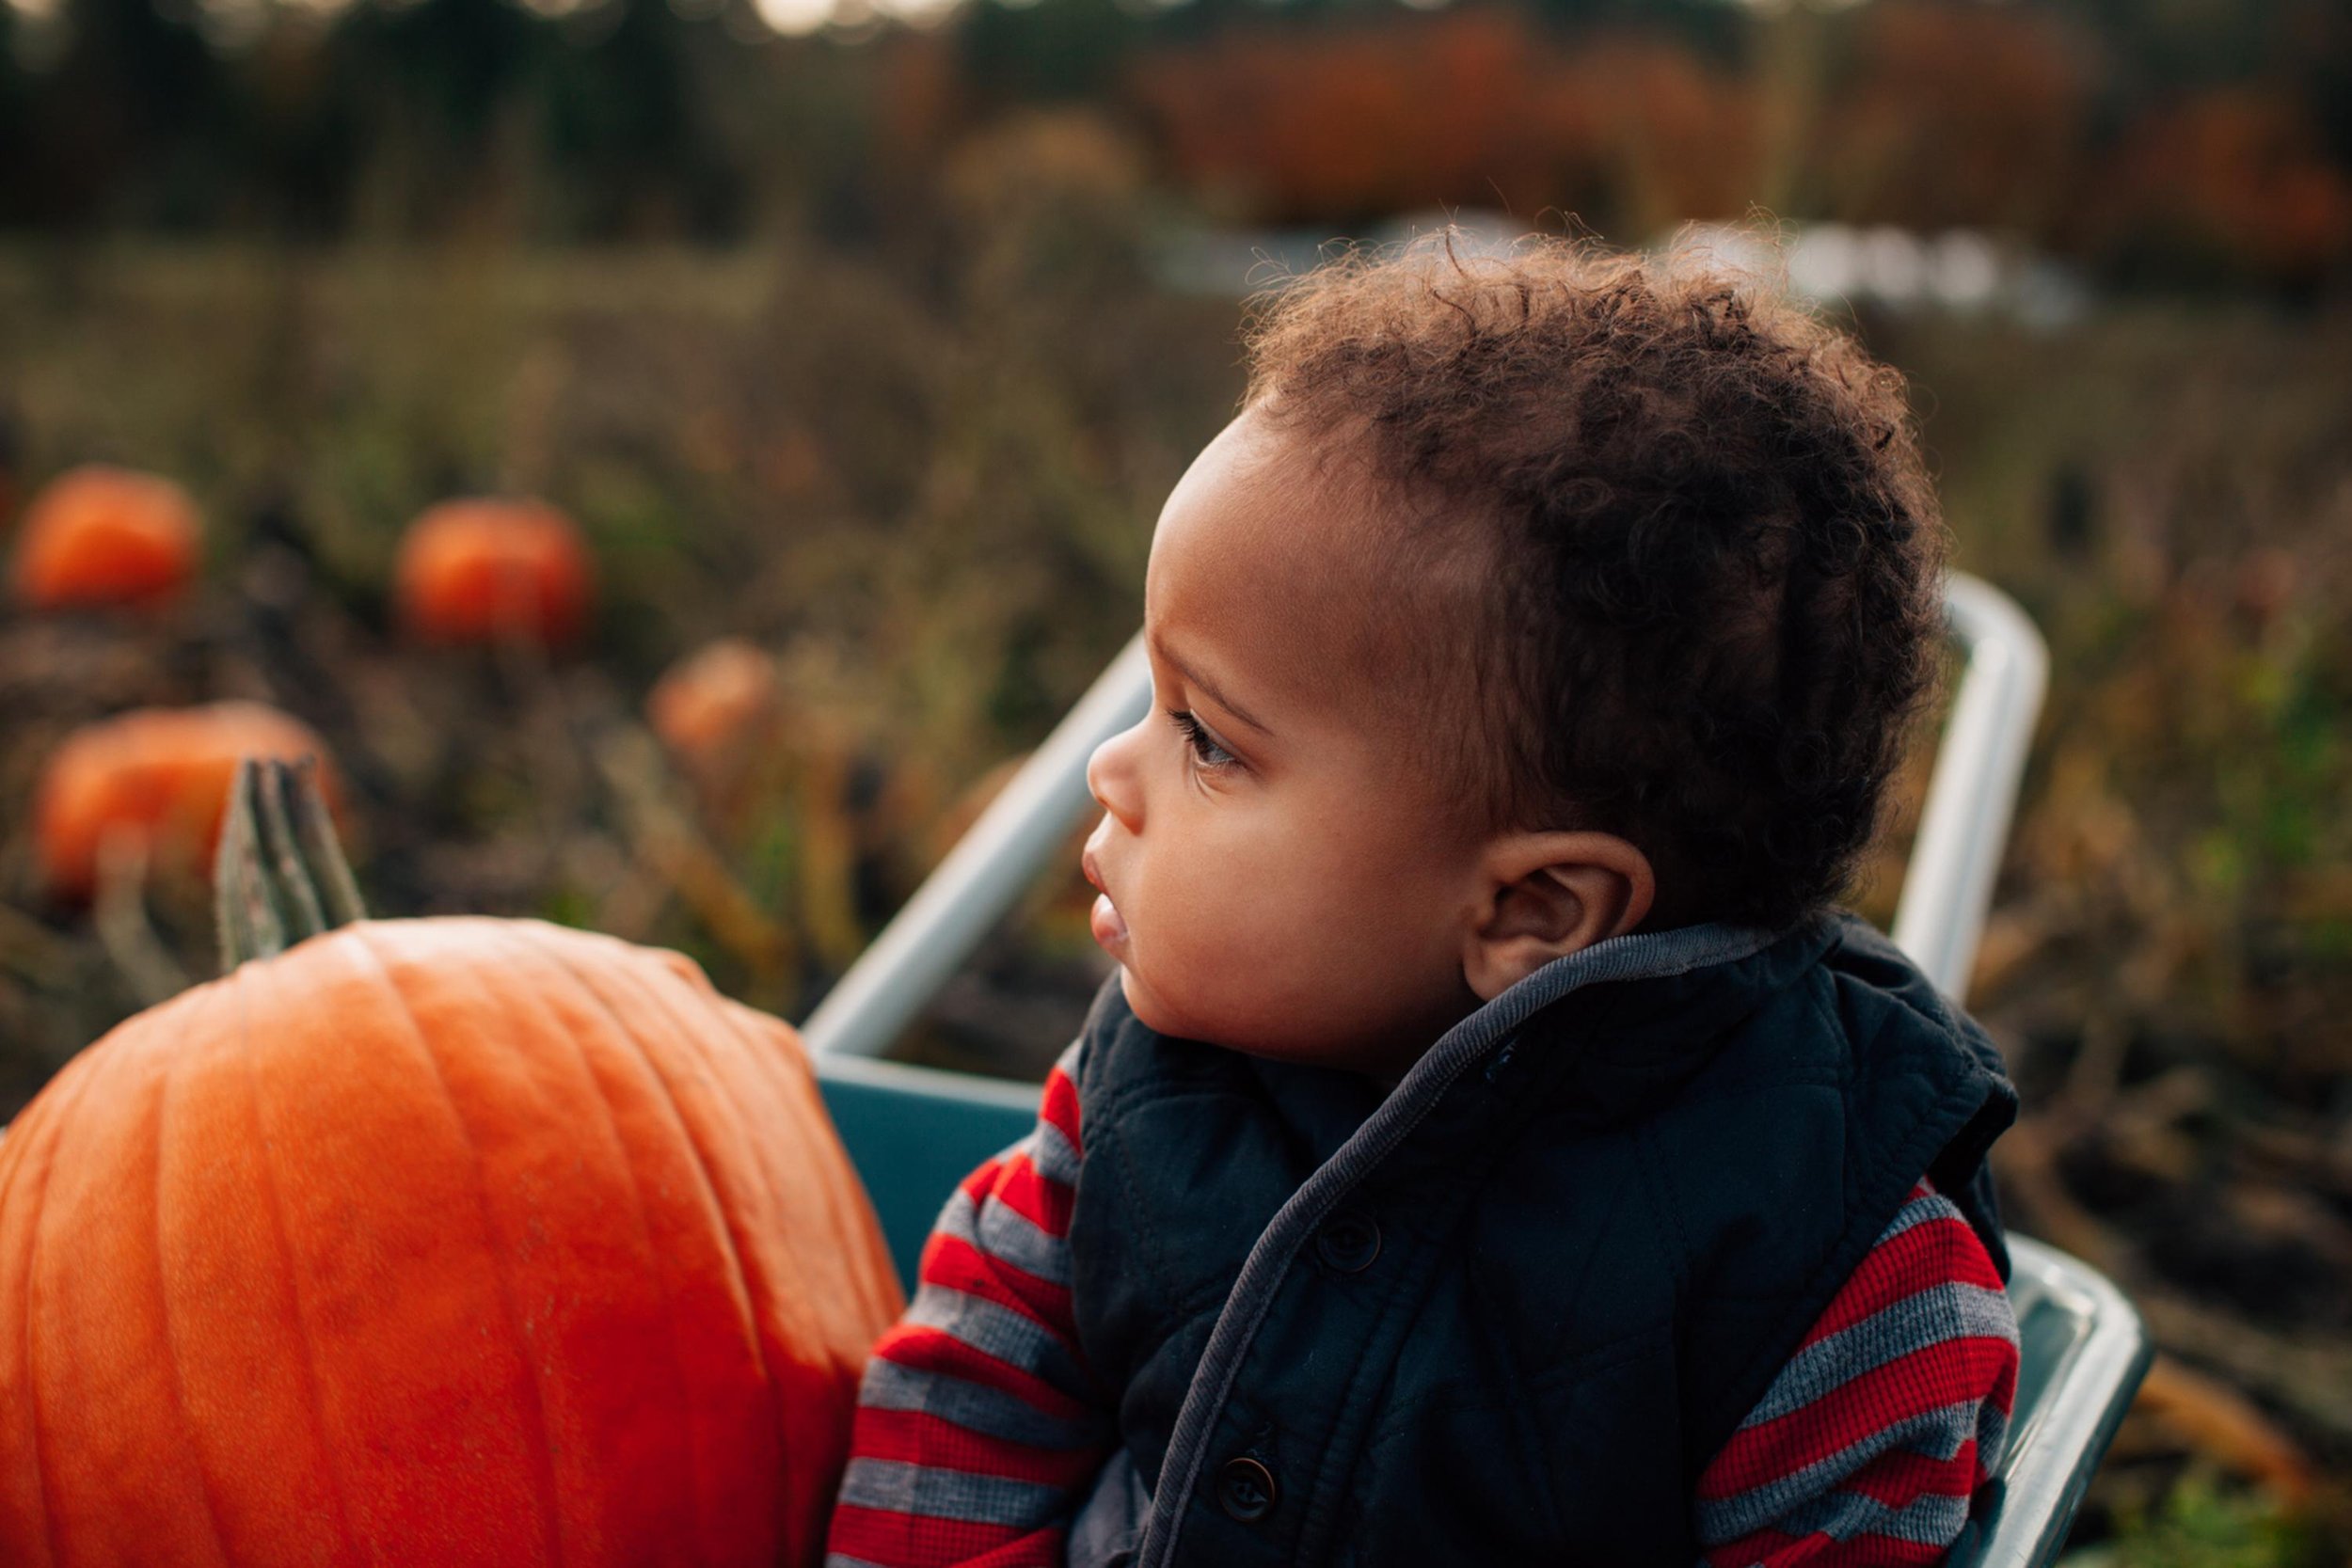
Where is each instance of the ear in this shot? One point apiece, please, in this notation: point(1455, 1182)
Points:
point(1544, 895)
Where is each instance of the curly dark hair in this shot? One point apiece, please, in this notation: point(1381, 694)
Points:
point(1712, 557)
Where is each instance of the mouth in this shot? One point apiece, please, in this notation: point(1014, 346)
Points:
point(1107, 924)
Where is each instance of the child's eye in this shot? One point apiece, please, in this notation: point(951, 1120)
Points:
point(1205, 748)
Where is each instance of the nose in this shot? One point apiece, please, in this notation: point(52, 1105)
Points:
point(1111, 778)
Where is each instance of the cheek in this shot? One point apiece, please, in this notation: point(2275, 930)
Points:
point(1210, 895)
point(1217, 909)
point(1259, 932)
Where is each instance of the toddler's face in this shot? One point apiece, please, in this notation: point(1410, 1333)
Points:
point(1278, 877)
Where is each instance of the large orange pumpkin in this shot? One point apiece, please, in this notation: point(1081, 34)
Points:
point(485, 569)
point(162, 774)
point(99, 535)
point(454, 1241)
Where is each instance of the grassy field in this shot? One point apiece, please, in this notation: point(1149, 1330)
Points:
point(925, 482)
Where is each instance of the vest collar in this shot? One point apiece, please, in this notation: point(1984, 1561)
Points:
point(1606, 1054)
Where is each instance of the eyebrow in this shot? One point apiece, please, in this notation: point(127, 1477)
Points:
point(1195, 678)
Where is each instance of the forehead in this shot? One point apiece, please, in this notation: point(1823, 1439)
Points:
point(1268, 560)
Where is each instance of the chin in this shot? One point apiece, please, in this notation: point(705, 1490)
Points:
point(1280, 1028)
point(1152, 1012)
point(1146, 1006)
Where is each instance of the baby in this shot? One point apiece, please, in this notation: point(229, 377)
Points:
point(1494, 1150)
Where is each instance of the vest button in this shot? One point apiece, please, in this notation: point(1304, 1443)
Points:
point(1246, 1490)
point(1349, 1242)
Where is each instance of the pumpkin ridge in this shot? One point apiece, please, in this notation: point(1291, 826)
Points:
point(56, 1467)
point(543, 1466)
point(314, 1382)
point(176, 1063)
point(32, 1276)
point(847, 1209)
point(32, 1447)
point(697, 1469)
point(786, 1435)
point(842, 1205)
point(759, 1295)
point(796, 1304)
point(702, 1168)
point(725, 1103)
point(32, 1364)
point(31, 1296)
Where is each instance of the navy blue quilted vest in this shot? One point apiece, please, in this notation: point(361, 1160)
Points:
point(1510, 1317)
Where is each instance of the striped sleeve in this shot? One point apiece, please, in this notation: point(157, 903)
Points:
point(978, 1428)
point(1867, 1447)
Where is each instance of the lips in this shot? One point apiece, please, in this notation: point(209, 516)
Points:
point(1108, 926)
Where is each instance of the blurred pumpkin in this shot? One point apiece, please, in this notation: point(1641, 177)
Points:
point(99, 535)
point(455, 1241)
point(485, 569)
point(161, 773)
point(715, 710)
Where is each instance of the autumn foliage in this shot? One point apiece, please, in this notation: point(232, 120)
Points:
point(1478, 106)
point(1950, 115)
point(1924, 114)
point(2239, 176)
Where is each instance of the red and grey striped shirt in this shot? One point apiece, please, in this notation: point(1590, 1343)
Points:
point(980, 1430)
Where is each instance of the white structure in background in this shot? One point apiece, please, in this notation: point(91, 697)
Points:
point(1961, 271)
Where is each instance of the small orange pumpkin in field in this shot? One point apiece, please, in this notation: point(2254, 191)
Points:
point(99, 535)
point(715, 708)
point(162, 774)
point(454, 1242)
point(486, 569)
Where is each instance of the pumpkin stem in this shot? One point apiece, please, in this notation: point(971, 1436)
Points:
point(278, 863)
point(285, 857)
point(248, 922)
point(325, 852)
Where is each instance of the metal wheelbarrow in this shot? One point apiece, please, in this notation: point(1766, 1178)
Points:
point(914, 1133)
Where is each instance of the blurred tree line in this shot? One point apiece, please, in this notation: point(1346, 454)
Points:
point(2194, 142)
